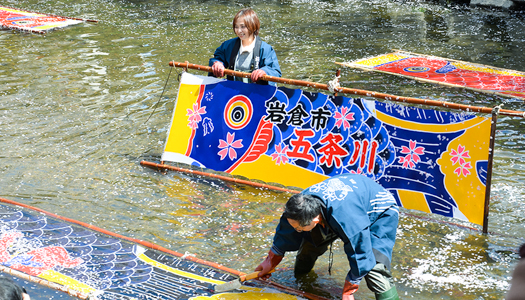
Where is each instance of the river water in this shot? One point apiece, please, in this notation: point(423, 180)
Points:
point(74, 105)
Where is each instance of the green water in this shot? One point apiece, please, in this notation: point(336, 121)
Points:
point(73, 107)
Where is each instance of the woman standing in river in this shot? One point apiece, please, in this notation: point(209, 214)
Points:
point(247, 52)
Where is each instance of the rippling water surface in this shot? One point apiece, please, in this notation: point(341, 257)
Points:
point(74, 105)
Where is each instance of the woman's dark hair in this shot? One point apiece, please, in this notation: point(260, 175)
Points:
point(302, 208)
point(522, 251)
point(10, 290)
point(251, 21)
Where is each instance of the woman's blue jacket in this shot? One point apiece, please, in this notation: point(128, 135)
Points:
point(267, 57)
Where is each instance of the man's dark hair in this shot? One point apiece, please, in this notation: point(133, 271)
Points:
point(522, 251)
point(302, 208)
point(10, 290)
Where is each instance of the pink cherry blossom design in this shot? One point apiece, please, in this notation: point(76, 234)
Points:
point(359, 171)
point(194, 116)
point(463, 169)
point(228, 146)
point(279, 156)
point(407, 161)
point(459, 155)
point(344, 117)
point(412, 157)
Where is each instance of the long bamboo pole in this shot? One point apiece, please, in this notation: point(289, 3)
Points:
point(469, 108)
point(44, 282)
point(163, 167)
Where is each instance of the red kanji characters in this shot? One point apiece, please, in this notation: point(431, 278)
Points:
point(332, 152)
point(300, 147)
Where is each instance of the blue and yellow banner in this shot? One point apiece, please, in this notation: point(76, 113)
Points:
point(432, 161)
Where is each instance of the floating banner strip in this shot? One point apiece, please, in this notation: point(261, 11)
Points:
point(482, 78)
point(13, 18)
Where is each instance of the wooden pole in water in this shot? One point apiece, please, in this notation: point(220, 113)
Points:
point(469, 108)
point(163, 167)
point(490, 161)
point(44, 282)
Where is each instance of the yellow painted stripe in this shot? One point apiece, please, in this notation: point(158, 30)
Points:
point(67, 281)
point(379, 60)
point(162, 266)
point(248, 296)
point(413, 200)
point(25, 13)
point(57, 24)
point(180, 132)
point(429, 127)
point(251, 294)
point(265, 169)
point(486, 69)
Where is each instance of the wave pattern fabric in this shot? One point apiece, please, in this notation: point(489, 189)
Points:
point(108, 267)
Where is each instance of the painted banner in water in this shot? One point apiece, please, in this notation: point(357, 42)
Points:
point(445, 71)
point(13, 18)
point(432, 161)
point(108, 267)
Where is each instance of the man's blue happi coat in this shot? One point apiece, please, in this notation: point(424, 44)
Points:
point(361, 212)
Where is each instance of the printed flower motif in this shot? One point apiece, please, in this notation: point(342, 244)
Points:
point(459, 155)
point(463, 169)
point(208, 127)
point(359, 171)
point(412, 154)
point(208, 96)
point(318, 187)
point(344, 117)
point(279, 156)
point(194, 116)
point(228, 146)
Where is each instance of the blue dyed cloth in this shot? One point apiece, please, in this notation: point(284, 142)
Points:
point(268, 58)
point(362, 214)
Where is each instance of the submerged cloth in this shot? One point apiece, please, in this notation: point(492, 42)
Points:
point(517, 284)
point(360, 212)
point(267, 57)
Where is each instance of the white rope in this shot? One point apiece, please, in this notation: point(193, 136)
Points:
point(187, 254)
point(334, 84)
point(496, 109)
